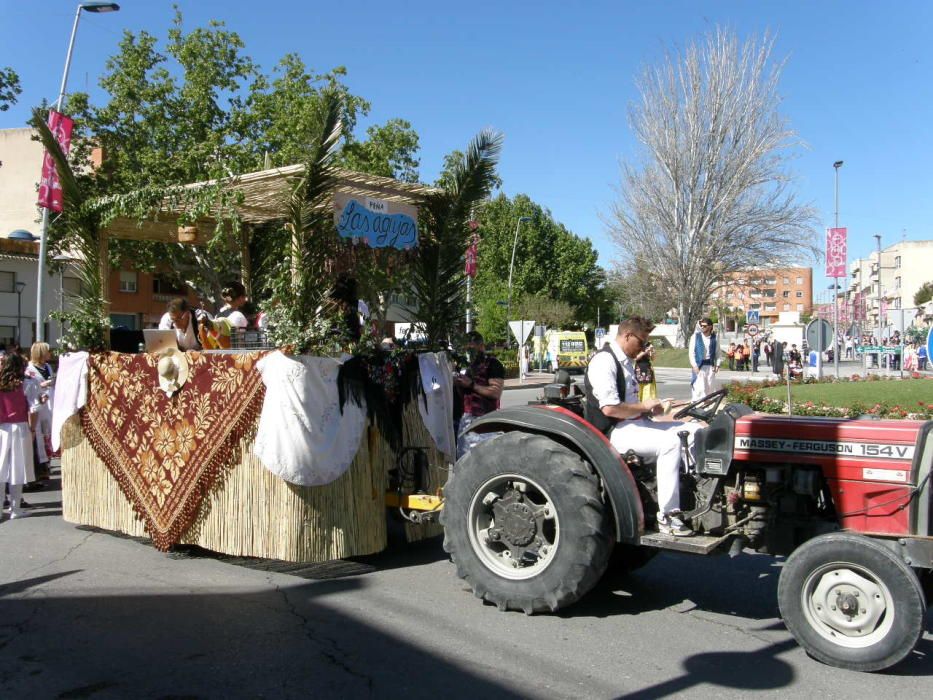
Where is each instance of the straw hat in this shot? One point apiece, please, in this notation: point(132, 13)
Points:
point(173, 371)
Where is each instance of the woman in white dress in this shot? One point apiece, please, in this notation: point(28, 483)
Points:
point(15, 432)
point(40, 372)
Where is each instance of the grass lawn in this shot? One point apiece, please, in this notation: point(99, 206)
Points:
point(670, 357)
point(906, 393)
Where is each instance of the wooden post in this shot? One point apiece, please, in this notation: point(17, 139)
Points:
point(246, 262)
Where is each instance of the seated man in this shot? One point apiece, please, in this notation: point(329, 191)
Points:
point(612, 402)
point(185, 321)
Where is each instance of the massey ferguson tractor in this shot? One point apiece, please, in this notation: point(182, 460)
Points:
point(532, 516)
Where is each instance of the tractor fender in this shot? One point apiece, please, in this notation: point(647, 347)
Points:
point(571, 431)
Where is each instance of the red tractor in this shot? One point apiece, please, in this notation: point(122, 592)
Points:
point(533, 516)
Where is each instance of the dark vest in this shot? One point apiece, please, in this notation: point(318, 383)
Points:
point(591, 410)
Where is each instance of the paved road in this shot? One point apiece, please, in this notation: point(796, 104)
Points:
point(85, 614)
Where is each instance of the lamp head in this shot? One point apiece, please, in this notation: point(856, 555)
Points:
point(524, 218)
point(837, 164)
point(99, 7)
point(20, 286)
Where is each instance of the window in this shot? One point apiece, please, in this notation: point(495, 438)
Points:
point(799, 307)
point(128, 321)
point(785, 294)
point(128, 281)
point(163, 285)
point(7, 282)
point(897, 262)
point(800, 295)
point(770, 307)
point(754, 306)
point(771, 282)
point(7, 334)
point(770, 293)
point(800, 280)
point(787, 307)
point(897, 282)
point(787, 280)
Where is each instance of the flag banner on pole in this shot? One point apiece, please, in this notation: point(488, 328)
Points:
point(469, 268)
point(50, 189)
point(836, 252)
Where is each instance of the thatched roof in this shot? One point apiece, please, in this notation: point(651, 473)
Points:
point(264, 195)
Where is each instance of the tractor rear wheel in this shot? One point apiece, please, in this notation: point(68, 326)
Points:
point(851, 602)
point(525, 523)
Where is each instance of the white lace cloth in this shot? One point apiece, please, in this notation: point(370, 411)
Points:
point(438, 403)
point(70, 392)
point(302, 436)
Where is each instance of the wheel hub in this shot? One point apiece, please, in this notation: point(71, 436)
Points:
point(515, 520)
point(848, 603)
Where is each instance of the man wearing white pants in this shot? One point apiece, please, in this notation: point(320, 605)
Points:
point(612, 402)
point(704, 360)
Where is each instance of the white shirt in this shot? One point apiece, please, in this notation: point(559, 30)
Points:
point(602, 376)
point(187, 340)
point(706, 340)
point(236, 318)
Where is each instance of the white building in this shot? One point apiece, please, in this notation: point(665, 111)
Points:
point(905, 267)
point(20, 168)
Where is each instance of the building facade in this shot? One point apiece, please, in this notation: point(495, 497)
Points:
point(878, 295)
point(769, 291)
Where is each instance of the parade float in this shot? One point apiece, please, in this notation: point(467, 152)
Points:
point(291, 451)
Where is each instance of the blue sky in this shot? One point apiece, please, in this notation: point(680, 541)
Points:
point(557, 79)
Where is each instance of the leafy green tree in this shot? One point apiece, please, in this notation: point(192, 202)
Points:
point(197, 108)
point(550, 261)
point(924, 294)
point(438, 283)
point(10, 88)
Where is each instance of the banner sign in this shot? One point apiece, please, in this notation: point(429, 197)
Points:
point(469, 268)
point(836, 252)
point(376, 222)
point(50, 189)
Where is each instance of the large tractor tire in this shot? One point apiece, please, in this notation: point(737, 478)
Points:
point(525, 523)
point(851, 602)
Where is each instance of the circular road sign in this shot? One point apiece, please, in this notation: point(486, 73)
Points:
point(819, 334)
point(752, 329)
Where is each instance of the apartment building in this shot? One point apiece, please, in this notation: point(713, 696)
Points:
point(770, 291)
point(885, 289)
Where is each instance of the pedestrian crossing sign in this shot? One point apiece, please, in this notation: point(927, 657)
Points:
point(753, 316)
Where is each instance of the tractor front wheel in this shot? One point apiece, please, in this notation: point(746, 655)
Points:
point(525, 523)
point(851, 602)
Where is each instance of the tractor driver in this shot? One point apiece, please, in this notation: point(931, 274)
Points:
point(612, 405)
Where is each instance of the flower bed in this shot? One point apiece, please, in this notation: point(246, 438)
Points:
point(754, 395)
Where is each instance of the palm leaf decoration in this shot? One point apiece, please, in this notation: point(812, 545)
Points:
point(438, 283)
point(302, 278)
point(78, 231)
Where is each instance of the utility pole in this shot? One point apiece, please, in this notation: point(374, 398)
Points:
point(836, 166)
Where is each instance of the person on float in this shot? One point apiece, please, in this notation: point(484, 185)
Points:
point(40, 371)
point(16, 431)
point(234, 296)
point(704, 360)
point(612, 406)
point(481, 387)
point(185, 321)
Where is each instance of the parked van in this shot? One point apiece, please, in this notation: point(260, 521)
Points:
point(562, 350)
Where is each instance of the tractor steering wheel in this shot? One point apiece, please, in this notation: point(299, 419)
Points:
point(701, 409)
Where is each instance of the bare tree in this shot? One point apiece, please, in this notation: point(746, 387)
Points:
point(711, 195)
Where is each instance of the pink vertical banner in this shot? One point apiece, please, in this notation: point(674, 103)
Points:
point(469, 268)
point(836, 252)
point(50, 189)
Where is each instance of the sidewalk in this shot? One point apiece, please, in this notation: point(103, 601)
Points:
point(533, 380)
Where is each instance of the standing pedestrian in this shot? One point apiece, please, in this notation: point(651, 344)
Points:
point(756, 350)
point(644, 374)
point(16, 433)
point(482, 388)
point(739, 357)
point(40, 371)
point(704, 359)
point(730, 356)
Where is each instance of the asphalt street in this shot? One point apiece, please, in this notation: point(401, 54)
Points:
point(88, 614)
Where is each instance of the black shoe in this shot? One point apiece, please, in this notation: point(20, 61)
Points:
point(24, 504)
point(32, 487)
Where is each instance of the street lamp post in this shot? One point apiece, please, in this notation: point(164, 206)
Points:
point(20, 286)
point(880, 297)
point(96, 8)
point(836, 166)
point(508, 312)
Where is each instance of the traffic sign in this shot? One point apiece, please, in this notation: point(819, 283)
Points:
point(753, 316)
point(752, 329)
point(819, 334)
